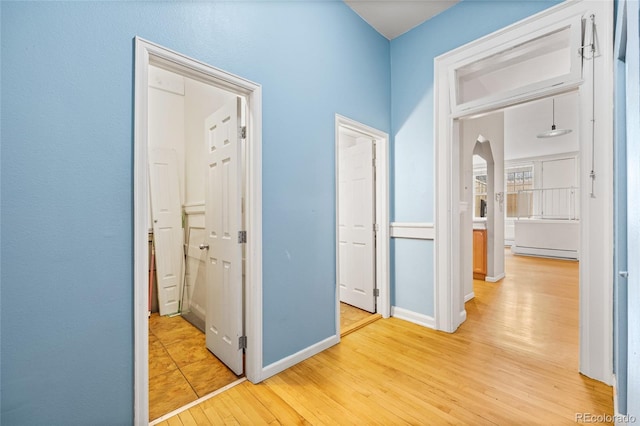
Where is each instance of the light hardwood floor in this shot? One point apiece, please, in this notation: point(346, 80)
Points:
point(514, 361)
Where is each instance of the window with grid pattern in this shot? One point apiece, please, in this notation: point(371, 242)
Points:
point(519, 179)
point(516, 179)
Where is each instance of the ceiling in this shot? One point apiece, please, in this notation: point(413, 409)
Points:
point(392, 18)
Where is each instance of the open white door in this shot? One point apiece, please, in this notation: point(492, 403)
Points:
point(356, 219)
point(223, 214)
point(166, 213)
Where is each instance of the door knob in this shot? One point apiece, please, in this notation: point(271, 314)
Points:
point(204, 246)
point(623, 274)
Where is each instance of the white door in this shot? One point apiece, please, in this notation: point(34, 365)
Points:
point(166, 213)
point(356, 219)
point(223, 222)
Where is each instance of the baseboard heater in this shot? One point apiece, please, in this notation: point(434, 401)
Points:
point(545, 252)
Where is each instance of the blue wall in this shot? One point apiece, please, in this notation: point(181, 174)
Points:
point(0, 220)
point(413, 181)
point(412, 274)
point(66, 312)
point(66, 180)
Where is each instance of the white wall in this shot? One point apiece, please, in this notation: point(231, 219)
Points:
point(166, 116)
point(524, 122)
point(491, 127)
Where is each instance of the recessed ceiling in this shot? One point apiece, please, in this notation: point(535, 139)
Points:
point(392, 18)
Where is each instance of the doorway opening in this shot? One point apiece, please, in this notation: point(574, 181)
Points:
point(524, 204)
point(362, 224)
point(580, 25)
point(185, 361)
point(527, 199)
point(197, 186)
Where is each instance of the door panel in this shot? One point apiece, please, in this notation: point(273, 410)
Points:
point(224, 325)
point(356, 219)
point(166, 213)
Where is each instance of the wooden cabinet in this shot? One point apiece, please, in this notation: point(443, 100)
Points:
point(479, 254)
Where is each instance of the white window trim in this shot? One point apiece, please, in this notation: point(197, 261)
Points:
point(572, 78)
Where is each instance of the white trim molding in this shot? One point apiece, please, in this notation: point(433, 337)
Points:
point(596, 237)
point(419, 231)
point(291, 360)
point(148, 53)
point(414, 317)
point(469, 296)
point(494, 279)
point(194, 208)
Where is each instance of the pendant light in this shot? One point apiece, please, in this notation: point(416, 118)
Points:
point(553, 132)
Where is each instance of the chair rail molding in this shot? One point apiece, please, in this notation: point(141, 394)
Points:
point(412, 230)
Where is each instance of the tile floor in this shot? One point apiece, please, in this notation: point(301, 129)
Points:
point(350, 315)
point(181, 369)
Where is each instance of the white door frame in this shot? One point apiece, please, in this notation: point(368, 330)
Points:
point(383, 305)
point(147, 53)
point(596, 245)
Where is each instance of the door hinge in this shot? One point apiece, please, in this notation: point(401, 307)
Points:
point(242, 237)
point(243, 132)
point(242, 342)
point(376, 228)
point(376, 292)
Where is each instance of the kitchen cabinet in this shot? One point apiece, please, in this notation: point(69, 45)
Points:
point(479, 254)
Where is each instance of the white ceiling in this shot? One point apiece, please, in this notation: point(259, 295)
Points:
point(522, 124)
point(392, 18)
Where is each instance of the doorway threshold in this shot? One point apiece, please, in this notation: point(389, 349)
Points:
point(359, 324)
point(196, 402)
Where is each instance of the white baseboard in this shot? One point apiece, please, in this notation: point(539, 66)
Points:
point(463, 316)
point(469, 297)
point(494, 279)
point(414, 317)
point(291, 360)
